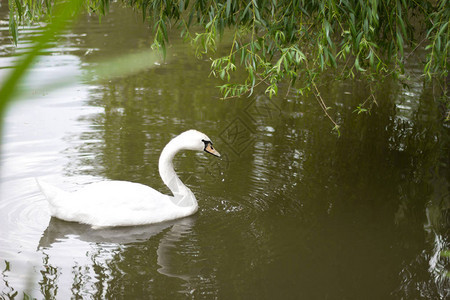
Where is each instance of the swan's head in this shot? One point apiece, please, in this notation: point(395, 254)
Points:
point(197, 141)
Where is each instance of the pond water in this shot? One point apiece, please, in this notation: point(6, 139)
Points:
point(290, 211)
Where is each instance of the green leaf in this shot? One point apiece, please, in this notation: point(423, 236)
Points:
point(285, 63)
point(332, 59)
point(257, 15)
point(445, 253)
point(13, 27)
point(371, 58)
point(357, 66)
point(402, 26)
point(358, 40)
point(227, 11)
point(400, 43)
point(443, 27)
point(437, 44)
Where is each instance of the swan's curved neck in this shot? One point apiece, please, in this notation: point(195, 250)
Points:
point(182, 194)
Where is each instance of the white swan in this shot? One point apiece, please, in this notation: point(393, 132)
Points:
point(123, 203)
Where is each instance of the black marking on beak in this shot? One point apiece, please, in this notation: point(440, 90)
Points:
point(210, 149)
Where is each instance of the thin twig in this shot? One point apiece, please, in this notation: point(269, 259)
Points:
point(323, 105)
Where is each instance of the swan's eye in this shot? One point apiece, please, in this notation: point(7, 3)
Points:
point(208, 145)
point(207, 142)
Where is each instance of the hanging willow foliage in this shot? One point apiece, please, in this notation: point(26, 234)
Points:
point(294, 41)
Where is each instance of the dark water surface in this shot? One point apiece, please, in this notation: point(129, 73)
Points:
point(291, 211)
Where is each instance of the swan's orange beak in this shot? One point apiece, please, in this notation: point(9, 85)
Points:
point(209, 148)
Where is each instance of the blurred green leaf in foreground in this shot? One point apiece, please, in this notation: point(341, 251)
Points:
point(59, 17)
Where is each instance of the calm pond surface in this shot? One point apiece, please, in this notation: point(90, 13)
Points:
point(290, 211)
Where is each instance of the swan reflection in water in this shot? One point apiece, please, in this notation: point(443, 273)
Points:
point(85, 251)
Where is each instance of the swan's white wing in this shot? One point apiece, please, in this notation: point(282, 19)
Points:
point(120, 194)
point(117, 203)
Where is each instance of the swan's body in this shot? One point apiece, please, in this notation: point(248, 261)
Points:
point(122, 203)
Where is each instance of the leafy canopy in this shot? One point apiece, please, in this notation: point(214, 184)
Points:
point(278, 41)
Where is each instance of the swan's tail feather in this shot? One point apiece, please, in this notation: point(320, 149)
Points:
point(51, 192)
